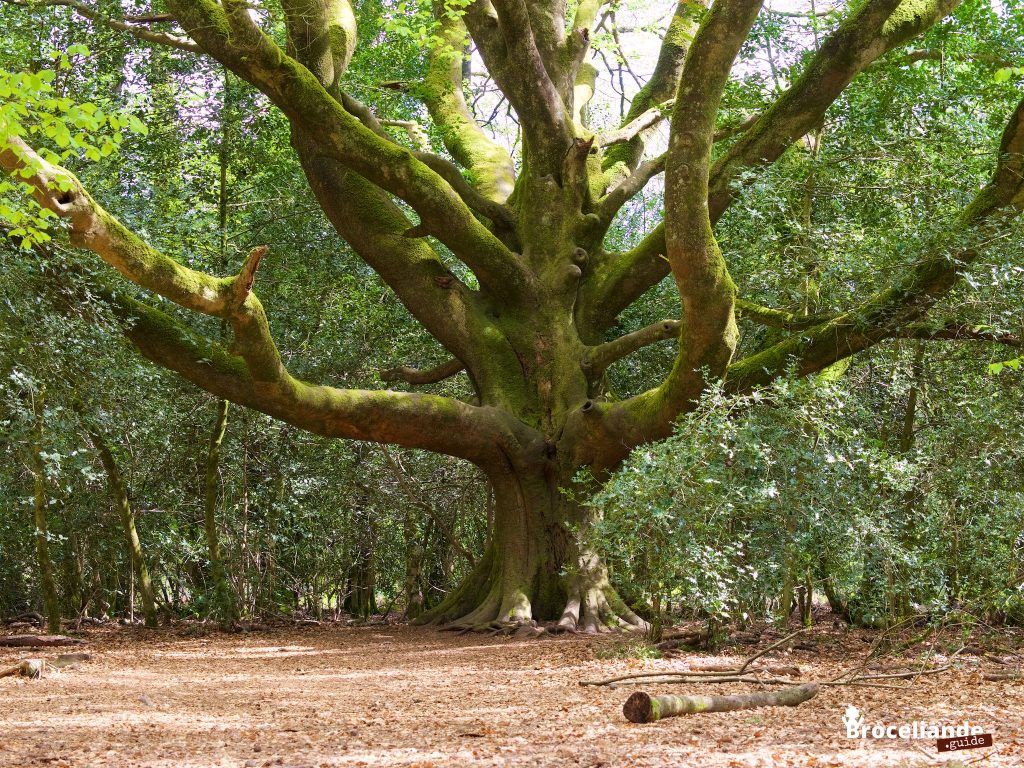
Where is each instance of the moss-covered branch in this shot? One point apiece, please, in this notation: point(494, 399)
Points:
point(598, 358)
point(375, 226)
point(622, 158)
point(505, 39)
point(705, 288)
point(321, 35)
point(252, 372)
point(229, 34)
point(877, 27)
point(628, 188)
point(411, 419)
point(776, 318)
point(959, 332)
point(893, 311)
point(491, 169)
point(636, 126)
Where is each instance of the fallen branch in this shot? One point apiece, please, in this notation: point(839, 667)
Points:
point(643, 708)
point(692, 676)
point(32, 668)
point(784, 670)
point(997, 676)
point(38, 641)
point(771, 648)
point(708, 674)
point(682, 678)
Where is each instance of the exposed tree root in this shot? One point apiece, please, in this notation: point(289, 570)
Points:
point(592, 611)
point(493, 602)
point(596, 607)
point(592, 615)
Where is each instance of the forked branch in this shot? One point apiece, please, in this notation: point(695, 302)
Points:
point(253, 374)
point(229, 34)
point(875, 28)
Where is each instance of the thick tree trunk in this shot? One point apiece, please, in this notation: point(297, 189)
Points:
point(537, 567)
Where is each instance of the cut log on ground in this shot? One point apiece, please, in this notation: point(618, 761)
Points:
point(643, 708)
point(699, 638)
point(38, 641)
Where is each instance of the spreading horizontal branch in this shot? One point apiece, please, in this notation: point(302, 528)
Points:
point(231, 36)
point(251, 372)
point(635, 182)
point(777, 318)
point(633, 128)
point(601, 356)
point(959, 332)
point(411, 419)
point(890, 312)
point(629, 187)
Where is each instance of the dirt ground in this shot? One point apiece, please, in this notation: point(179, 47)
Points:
point(398, 696)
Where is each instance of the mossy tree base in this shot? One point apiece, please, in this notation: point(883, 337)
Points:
point(592, 606)
point(535, 572)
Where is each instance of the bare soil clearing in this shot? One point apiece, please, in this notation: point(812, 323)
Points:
point(397, 696)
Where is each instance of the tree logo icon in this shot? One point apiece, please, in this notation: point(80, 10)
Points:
point(853, 720)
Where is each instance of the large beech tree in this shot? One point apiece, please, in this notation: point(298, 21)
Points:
point(530, 329)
